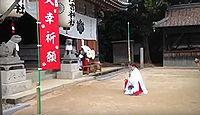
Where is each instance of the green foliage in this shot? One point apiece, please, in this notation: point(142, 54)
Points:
point(141, 15)
point(155, 6)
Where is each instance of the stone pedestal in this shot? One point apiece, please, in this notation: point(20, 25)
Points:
point(16, 87)
point(13, 76)
point(69, 63)
point(69, 71)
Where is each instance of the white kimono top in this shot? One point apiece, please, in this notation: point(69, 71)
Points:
point(134, 80)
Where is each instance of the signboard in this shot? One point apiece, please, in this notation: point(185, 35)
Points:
point(49, 34)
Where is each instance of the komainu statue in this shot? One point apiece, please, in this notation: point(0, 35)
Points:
point(11, 48)
point(69, 49)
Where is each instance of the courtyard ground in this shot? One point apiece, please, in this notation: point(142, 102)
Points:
point(171, 92)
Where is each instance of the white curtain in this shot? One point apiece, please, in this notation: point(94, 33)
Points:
point(90, 31)
point(90, 24)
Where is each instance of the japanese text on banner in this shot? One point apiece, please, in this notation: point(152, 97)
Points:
point(49, 34)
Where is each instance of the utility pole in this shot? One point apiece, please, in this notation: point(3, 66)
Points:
point(129, 49)
point(1, 109)
point(141, 57)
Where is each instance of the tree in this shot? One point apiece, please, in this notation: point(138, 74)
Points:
point(148, 11)
point(154, 9)
point(141, 15)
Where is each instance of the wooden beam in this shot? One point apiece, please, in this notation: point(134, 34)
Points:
point(189, 29)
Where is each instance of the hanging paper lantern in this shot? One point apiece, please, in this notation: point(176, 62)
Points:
point(13, 27)
point(18, 11)
point(66, 12)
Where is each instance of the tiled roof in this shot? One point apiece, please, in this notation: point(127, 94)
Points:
point(120, 4)
point(181, 15)
point(116, 4)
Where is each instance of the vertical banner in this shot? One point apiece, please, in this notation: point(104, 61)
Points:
point(49, 34)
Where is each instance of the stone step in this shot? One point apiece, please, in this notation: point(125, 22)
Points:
point(69, 75)
point(44, 76)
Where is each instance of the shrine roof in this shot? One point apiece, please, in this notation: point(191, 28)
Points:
point(113, 4)
point(180, 15)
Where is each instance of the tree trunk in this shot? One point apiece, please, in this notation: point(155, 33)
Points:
point(146, 50)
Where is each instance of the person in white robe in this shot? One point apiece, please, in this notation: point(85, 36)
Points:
point(135, 84)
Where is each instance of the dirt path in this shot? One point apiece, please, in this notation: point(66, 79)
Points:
point(171, 92)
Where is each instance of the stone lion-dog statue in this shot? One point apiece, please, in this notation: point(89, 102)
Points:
point(11, 48)
point(197, 61)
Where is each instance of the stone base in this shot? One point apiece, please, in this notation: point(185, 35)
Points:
point(68, 59)
point(12, 88)
point(69, 75)
point(12, 76)
point(74, 67)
